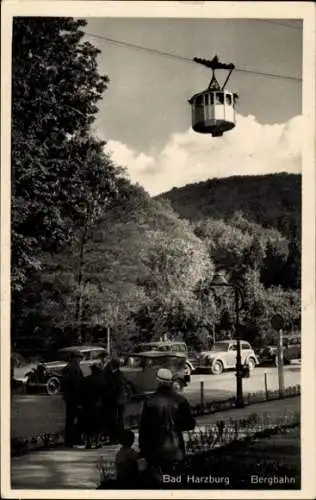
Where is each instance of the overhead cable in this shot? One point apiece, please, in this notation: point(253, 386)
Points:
point(185, 59)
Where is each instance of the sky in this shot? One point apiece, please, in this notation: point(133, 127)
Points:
point(145, 117)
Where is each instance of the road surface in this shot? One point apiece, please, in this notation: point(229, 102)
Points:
point(32, 415)
point(217, 387)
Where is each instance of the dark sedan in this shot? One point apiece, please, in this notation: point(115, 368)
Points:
point(291, 351)
point(48, 376)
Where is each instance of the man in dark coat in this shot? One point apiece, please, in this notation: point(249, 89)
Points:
point(92, 395)
point(165, 415)
point(72, 379)
point(103, 359)
point(115, 399)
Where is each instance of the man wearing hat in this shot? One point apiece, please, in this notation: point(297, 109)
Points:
point(116, 396)
point(165, 415)
point(72, 379)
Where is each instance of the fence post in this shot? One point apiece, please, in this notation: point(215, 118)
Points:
point(266, 385)
point(202, 393)
point(280, 364)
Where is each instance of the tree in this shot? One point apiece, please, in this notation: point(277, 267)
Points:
point(273, 271)
point(58, 170)
point(254, 254)
point(293, 263)
point(112, 263)
point(226, 243)
point(175, 262)
point(287, 303)
point(254, 313)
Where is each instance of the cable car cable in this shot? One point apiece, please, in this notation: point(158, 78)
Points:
point(186, 59)
point(140, 47)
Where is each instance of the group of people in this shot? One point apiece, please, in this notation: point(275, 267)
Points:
point(95, 407)
point(94, 404)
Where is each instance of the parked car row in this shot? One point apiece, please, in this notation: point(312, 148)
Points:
point(141, 366)
point(140, 369)
point(220, 357)
point(223, 354)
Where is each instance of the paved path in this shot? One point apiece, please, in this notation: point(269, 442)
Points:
point(76, 469)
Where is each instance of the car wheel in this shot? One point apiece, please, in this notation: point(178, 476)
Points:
point(217, 368)
point(53, 386)
point(178, 385)
point(251, 364)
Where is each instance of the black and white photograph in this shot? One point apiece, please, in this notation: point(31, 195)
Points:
point(158, 279)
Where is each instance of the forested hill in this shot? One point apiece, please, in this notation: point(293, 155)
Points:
point(273, 201)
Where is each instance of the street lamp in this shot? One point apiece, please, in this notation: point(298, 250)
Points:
point(219, 280)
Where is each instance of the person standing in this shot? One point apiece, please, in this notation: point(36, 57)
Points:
point(72, 380)
point(92, 401)
point(105, 366)
point(115, 399)
point(165, 415)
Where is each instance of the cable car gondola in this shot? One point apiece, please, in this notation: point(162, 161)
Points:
point(213, 110)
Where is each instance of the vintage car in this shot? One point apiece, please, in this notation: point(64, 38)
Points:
point(168, 346)
point(140, 369)
point(223, 356)
point(48, 376)
point(291, 351)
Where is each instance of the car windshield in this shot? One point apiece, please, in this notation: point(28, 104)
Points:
point(172, 363)
point(220, 346)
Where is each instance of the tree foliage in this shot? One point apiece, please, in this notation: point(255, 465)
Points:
point(60, 173)
point(175, 263)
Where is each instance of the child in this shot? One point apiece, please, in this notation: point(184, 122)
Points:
point(126, 462)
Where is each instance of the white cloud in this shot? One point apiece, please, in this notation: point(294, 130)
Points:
point(250, 149)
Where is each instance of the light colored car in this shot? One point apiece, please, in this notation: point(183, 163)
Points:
point(223, 356)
